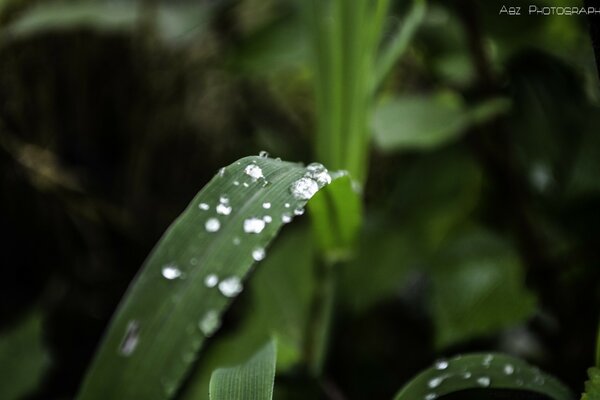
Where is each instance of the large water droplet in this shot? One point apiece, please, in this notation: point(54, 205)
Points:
point(254, 171)
point(318, 173)
point(209, 323)
point(441, 364)
point(211, 280)
point(203, 206)
point(170, 272)
point(254, 225)
point(223, 209)
point(266, 205)
point(484, 381)
point(258, 254)
point(304, 188)
point(130, 339)
point(212, 225)
point(263, 154)
point(509, 369)
point(231, 286)
point(435, 382)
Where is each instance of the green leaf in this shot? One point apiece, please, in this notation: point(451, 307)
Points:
point(427, 122)
point(336, 214)
point(478, 287)
point(482, 372)
point(252, 380)
point(23, 358)
point(191, 276)
point(592, 386)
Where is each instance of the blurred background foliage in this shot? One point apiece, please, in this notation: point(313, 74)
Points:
point(482, 203)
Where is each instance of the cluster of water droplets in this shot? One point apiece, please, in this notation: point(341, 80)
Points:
point(315, 177)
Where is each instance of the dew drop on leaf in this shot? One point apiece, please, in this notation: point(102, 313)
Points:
point(236, 241)
point(130, 339)
point(203, 206)
point(318, 173)
point(435, 382)
point(441, 364)
point(223, 209)
point(266, 205)
point(212, 225)
point(299, 211)
point(263, 154)
point(267, 219)
point(304, 188)
point(509, 369)
point(231, 286)
point(211, 280)
point(254, 225)
point(209, 323)
point(484, 381)
point(258, 254)
point(430, 396)
point(286, 218)
point(170, 272)
point(254, 171)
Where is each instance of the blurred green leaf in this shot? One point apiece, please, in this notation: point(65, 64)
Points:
point(426, 122)
point(280, 295)
point(23, 358)
point(478, 287)
point(482, 372)
point(592, 386)
point(191, 276)
point(336, 214)
point(252, 380)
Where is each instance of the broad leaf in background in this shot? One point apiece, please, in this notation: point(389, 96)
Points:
point(427, 122)
point(252, 380)
point(278, 305)
point(482, 372)
point(23, 358)
point(174, 23)
point(478, 287)
point(192, 275)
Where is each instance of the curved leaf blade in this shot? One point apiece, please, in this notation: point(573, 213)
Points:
point(190, 278)
point(252, 380)
point(482, 371)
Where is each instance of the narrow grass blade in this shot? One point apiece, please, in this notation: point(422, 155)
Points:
point(192, 275)
point(477, 372)
point(252, 380)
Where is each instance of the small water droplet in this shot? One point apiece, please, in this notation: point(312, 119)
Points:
point(435, 382)
point(263, 154)
point(212, 225)
point(170, 272)
point(222, 172)
point(211, 280)
point(467, 375)
point(254, 225)
point(441, 364)
point(267, 219)
point(130, 339)
point(236, 241)
point(484, 381)
point(224, 199)
point(299, 211)
point(203, 206)
point(266, 205)
point(539, 380)
point(287, 205)
point(430, 396)
point(258, 254)
point(236, 183)
point(209, 323)
point(245, 184)
point(254, 171)
point(304, 188)
point(223, 209)
point(286, 218)
point(318, 173)
point(487, 361)
point(231, 286)
point(509, 369)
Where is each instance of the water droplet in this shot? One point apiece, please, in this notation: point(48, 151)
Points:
point(286, 218)
point(509, 369)
point(236, 183)
point(224, 199)
point(318, 173)
point(203, 206)
point(287, 205)
point(304, 188)
point(258, 254)
point(484, 381)
point(246, 184)
point(209, 323)
point(263, 154)
point(211, 280)
point(467, 375)
point(267, 219)
point(299, 211)
point(435, 382)
point(212, 225)
point(539, 380)
point(222, 172)
point(254, 225)
point(441, 364)
point(266, 205)
point(170, 272)
point(223, 209)
point(430, 396)
point(487, 361)
point(231, 286)
point(254, 171)
point(236, 241)
point(130, 339)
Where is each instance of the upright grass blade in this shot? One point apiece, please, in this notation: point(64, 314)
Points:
point(476, 372)
point(191, 276)
point(252, 380)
